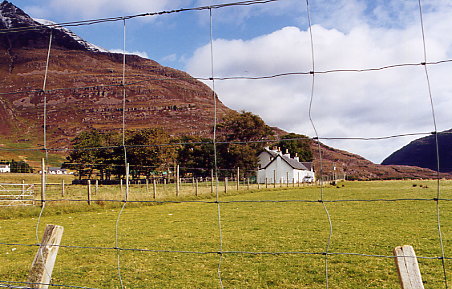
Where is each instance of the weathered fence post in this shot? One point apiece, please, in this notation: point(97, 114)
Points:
point(23, 187)
point(238, 178)
point(287, 179)
point(196, 188)
point(127, 181)
point(43, 181)
point(408, 268)
point(147, 186)
point(225, 185)
point(177, 181)
point(266, 183)
point(42, 267)
point(120, 184)
point(211, 181)
point(154, 183)
point(89, 192)
point(248, 184)
point(97, 187)
point(63, 189)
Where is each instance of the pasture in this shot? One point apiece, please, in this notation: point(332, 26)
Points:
point(271, 238)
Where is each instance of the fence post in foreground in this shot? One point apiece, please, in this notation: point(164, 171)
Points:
point(43, 181)
point(89, 192)
point(408, 268)
point(42, 267)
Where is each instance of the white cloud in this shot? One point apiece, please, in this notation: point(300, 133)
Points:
point(346, 104)
point(139, 53)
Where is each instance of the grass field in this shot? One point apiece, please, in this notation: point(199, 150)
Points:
point(372, 228)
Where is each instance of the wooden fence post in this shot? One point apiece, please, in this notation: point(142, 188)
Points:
point(63, 189)
point(196, 188)
point(97, 187)
point(238, 178)
point(147, 186)
point(211, 181)
point(42, 267)
point(154, 183)
point(43, 181)
point(225, 185)
point(248, 184)
point(408, 268)
point(177, 181)
point(89, 192)
point(127, 181)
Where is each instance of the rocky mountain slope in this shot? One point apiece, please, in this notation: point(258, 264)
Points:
point(422, 153)
point(84, 86)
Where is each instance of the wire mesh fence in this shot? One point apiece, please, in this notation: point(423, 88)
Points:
point(231, 228)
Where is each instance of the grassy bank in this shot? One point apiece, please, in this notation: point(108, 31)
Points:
point(372, 228)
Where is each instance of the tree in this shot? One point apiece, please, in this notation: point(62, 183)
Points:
point(297, 144)
point(150, 149)
point(94, 150)
point(245, 134)
point(196, 156)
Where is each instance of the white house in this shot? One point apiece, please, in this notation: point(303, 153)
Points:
point(57, 171)
point(276, 167)
point(5, 168)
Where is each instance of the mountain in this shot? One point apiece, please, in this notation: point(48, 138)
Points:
point(422, 153)
point(84, 90)
point(84, 86)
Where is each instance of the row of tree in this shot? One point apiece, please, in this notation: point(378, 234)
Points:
point(18, 166)
point(152, 151)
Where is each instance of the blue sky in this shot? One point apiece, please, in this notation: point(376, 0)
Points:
point(267, 39)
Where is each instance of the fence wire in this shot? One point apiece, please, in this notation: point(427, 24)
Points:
point(324, 200)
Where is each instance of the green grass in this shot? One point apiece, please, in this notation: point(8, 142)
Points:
point(373, 228)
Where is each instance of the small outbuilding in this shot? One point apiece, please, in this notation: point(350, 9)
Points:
point(5, 168)
point(276, 167)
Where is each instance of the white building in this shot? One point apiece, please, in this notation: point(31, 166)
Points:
point(276, 167)
point(57, 171)
point(5, 168)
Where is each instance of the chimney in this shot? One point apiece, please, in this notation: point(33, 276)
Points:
point(296, 157)
point(287, 154)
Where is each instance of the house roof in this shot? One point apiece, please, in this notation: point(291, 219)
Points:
point(291, 162)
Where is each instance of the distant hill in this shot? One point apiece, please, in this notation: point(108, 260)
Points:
point(422, 153)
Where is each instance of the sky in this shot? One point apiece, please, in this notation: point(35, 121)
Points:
point(274, 38)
